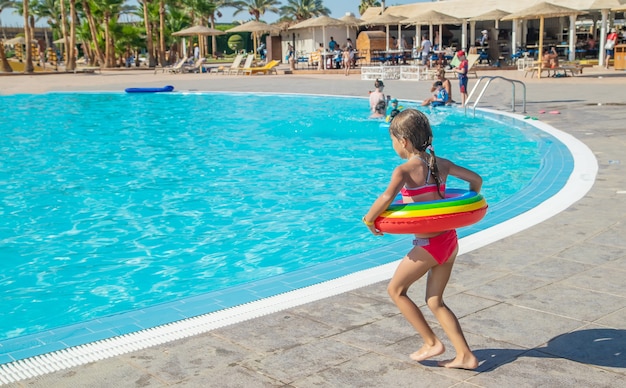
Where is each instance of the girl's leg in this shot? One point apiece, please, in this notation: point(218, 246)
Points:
point(435, 286)
point(412, 267)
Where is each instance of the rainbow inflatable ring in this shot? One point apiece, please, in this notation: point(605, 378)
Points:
point(459, 208)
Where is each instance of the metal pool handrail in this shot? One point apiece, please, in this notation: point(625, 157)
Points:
point(482, 92)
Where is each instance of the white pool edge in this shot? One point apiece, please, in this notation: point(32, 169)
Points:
point(578, 184)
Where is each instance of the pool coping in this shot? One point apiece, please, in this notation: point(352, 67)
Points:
point(85, 347)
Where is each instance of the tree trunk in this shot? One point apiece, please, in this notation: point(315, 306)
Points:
point(28, 59)
point(162, 32)
point(71, 63)
point(149, 41)
point(66, 42)
point(109, 59)
point(5, 66)
point(213, 37)
point(94, 33)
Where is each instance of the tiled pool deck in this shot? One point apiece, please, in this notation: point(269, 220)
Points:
point(549, 315)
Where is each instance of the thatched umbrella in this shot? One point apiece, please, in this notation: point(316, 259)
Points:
point(385, 19)
point(255, 27)
point(198, 31)
point(430, 18)
point(541, 11)
point(14, 41)
point(321, 21)
point(496, 15)
point(351, 21)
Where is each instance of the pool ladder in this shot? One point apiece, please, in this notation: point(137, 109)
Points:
point(482, 92)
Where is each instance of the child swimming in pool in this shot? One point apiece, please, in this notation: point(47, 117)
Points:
point(422, 178)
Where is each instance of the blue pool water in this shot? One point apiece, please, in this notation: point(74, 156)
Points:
point(113, 202)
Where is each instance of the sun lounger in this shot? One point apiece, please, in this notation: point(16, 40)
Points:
point(270, 67)
point(87, 69)
point(167, 68)
point(247, 64)
point(195, 68)
point(234, 67)
point(471, 61)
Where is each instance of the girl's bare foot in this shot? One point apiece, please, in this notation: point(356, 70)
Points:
point(468, 362)
point(428, 351)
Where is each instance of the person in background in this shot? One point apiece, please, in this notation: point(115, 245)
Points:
point(196, 51)
point(377, 95)
point(291, 56)
point(261, 50)
point(332, 45)
point(484, 39)
point(347, 60)
point(461, 71)
point(379, 110)
point(439, 97)
point(320, 50)
point(550, 59)
point(609, 46)
point(425, 48)
point(392, 110)
point(353, 53)
point(447, 85)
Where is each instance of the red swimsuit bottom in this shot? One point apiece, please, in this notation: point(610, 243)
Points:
point(440, 247)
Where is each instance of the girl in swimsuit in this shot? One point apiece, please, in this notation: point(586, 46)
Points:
point(422, 178)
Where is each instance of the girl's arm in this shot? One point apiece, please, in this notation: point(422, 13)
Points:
point(381, 204)
point(475, 181)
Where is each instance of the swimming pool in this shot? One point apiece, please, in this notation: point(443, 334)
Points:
point(169, 166)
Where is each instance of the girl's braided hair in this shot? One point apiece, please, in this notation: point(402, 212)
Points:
point(414, 126)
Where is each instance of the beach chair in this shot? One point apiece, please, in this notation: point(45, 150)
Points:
point(269, 68)
point(234, 67)
point(168, 67)
point(247, 64)
point(195, 68)
point(177, 68)
point(471, 61)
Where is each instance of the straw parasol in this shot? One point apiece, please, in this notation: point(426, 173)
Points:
point(433, 17)
point(541, 11)
point(496, 15)
point(607, 4)
point(255, 27)
point(620, 7)
point(198, 31)
point(14, 41)
point(321, 21)
point(351, 21)
point(385, 19)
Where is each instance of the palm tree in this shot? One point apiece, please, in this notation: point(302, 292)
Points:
point(4, 63)
point(110, 10)
point(256, 8)
point(94, 36)
point(365, 4)
point(203, 9)
point(71, 42)
point(303, 9)
point(28, 65)
point(217, 4)
point(147, 24)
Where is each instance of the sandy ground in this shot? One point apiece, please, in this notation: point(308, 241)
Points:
point(112, 80)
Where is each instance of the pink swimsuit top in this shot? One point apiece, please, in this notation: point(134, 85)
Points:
point(426, 188)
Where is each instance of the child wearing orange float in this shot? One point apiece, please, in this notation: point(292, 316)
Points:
point(422, 178)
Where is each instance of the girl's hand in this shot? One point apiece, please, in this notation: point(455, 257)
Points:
point(372, 227)
point(375, 231)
